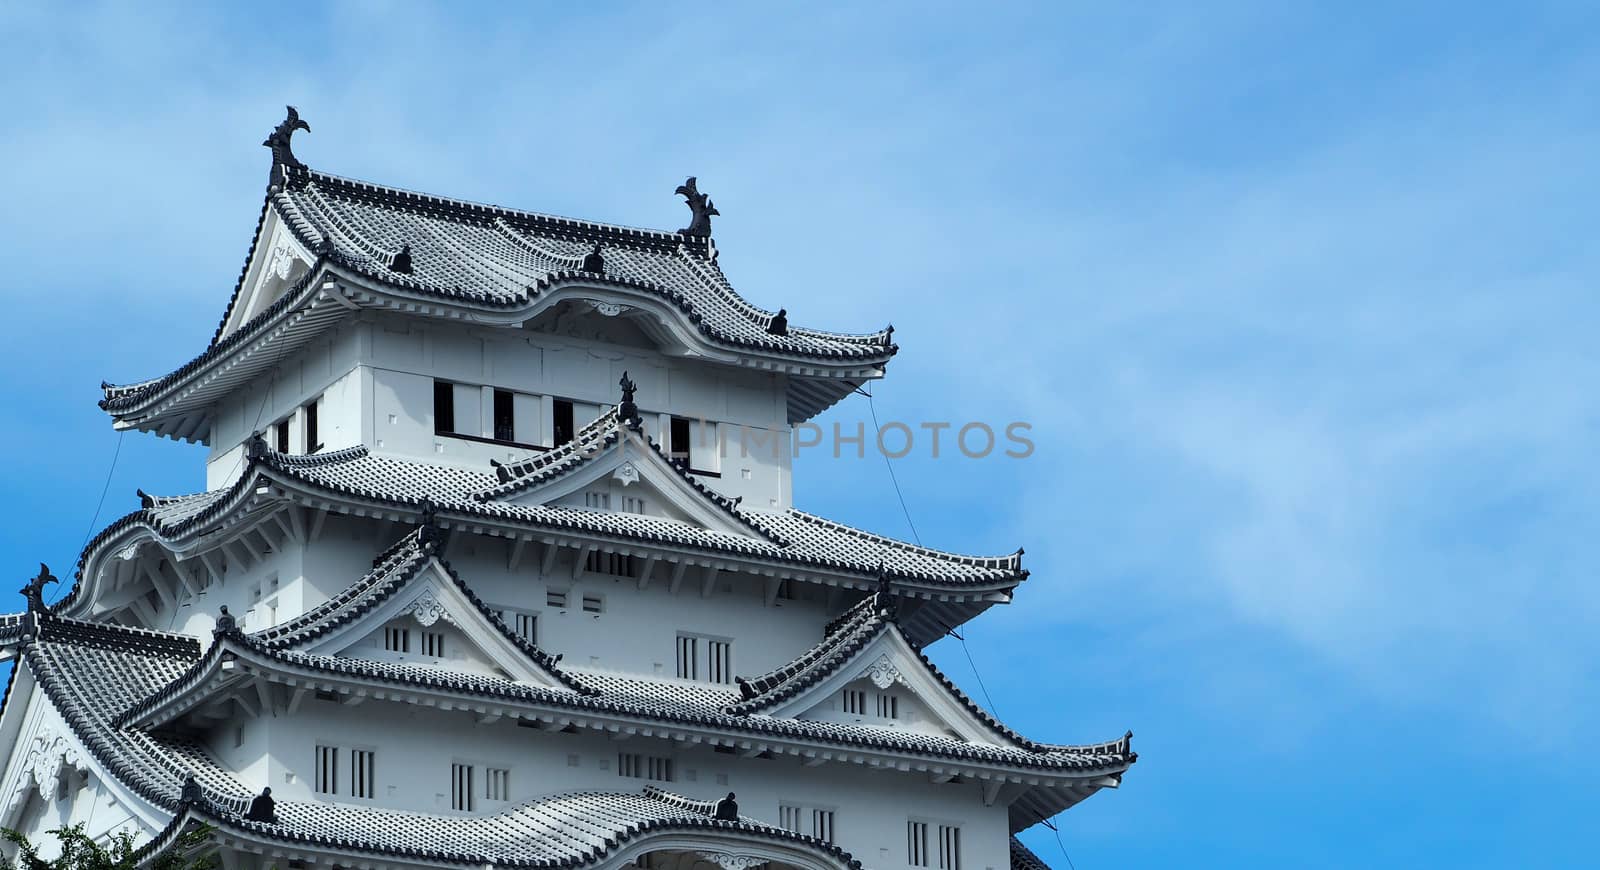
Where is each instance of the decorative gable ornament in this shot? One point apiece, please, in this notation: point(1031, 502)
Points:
point(428, 609)
point(627, 473)
point(48, 756)
point(883, 673)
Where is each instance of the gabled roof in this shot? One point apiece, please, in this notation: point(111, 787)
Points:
point(494, 264)
point(90, 671)
point(850, 642)
point(396, 570)
point(954, 587)
point(608, 444)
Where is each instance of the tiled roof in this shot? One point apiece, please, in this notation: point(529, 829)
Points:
point(502, 257)
point(396, 567)
point(590, 444)
point(811, 539)
point(844, 640)
point(92, 671)
point(1022, 858)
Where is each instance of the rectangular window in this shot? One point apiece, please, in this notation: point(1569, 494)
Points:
point(396, 639)
point(615, 564)
point(678, 443)
point(600, 501)
point(888, 707)
point(312, 442)
point(658, 769)
point(497, 784)
point(281, 434)
point(719, 661)
point(327, 769)
point(789, 818)
point(949, 847)
point(593, 604)
point(433, 644)
point(561, 410)
point(444, 407)
point(785, 590)
point(361, 773)
point(526, 626)
point(505, 425)
point(855, 701)
point(633, 504)
point(461, 796)
point(630, 764)
point(822, 825)
point(917, 844)
point(555, 598)
point(688, 657)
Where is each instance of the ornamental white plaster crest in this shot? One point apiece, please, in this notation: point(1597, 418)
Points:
point(47, 756)
point(427, 609)
point(883, 673)
point(626, 473)
point(609, 309)
point(281, 260)
point(728, 861)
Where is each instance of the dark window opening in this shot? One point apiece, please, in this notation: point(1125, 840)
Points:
point(311, 427)
point(679, 445)
point(563, 421)
point(281, 431)
point(444, 407)
point(505, 426)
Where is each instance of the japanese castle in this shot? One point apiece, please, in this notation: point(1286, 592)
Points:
point(498, 567)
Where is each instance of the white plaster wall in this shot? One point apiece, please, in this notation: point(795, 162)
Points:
point(325, 370)
point(745, 441)
point(416, 746)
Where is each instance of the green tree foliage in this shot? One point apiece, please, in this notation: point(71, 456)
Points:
point(78, 852)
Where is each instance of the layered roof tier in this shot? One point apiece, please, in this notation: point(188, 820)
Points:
point(943, 589)
point(383, 248)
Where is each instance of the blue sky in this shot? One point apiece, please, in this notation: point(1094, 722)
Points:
point(1299, 303)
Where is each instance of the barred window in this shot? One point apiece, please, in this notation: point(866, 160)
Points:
point(461, 796)
point(327, 769)
point(396, 639)
point(854, 701)
point(497, 784)
point(949, 847)
point(917, 844)
point(362, 774)
point(433, 644)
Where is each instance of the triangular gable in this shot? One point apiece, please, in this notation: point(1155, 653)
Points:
point(617, 461)
point(277, 261)
point(433, 600)
point(889, 664)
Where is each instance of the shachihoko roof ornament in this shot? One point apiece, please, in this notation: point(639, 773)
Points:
point(283, 158)
point(700, 206)
point(628, 410)
point(34, 590)
point(779, 325)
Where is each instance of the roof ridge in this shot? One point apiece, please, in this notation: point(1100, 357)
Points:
point(484, 211)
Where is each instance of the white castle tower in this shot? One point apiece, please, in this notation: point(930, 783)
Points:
point(498, 568)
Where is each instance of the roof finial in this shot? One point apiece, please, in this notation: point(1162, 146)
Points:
point(594, 261)
point(262, 808)
point(429, 535)
point(34, 591)
point(884, 600)
point(226, 625)
point(146, 500)
point(727, 809)
point(700, 206)
point(191, 794)
point(278, 141)
point(627, 411)
point(401, 261)
point(255, 447)
point(779, 325)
